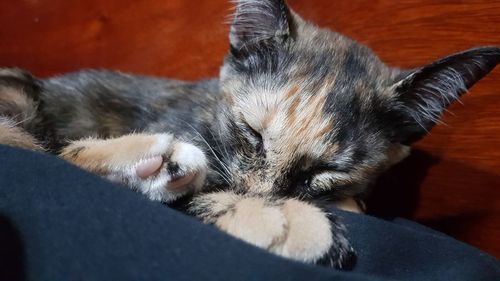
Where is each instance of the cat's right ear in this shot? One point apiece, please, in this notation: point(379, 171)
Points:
point(258, 24)
point(422, 95)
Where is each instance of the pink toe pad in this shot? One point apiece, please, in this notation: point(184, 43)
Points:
point(149, 167)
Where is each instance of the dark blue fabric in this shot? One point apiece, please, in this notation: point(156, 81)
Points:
point(58, 222)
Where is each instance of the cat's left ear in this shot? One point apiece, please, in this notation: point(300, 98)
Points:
point(259, 23)
point(422, 95)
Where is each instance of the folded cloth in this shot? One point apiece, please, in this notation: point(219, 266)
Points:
point(58, 222)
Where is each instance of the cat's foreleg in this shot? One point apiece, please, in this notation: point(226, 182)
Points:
point(287, 227)
point(157, 165)
point(13, 135)
point(17, 108)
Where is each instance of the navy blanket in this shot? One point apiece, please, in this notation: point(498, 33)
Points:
point(58, 222)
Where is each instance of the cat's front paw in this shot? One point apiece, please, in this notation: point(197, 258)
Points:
point(314, 236)
point(290, 228)
point(156, 165)
point(171, 169)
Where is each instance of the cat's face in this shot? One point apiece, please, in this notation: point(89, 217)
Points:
point(309, 112)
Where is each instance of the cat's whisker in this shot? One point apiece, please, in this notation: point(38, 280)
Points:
point(223, 145)
point(219, 142)
point(225, 170)
point(211, 150)
point(21, 121)
point(222, 176)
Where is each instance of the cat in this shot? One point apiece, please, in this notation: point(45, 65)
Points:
point(299, 116)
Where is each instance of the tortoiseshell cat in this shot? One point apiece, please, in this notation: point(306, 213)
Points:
point(299, 115)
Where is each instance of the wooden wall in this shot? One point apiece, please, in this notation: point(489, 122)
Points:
point(452, 180)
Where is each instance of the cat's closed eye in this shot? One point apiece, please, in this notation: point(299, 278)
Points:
point(328, 179)
point(254, 136)
point(317, 180)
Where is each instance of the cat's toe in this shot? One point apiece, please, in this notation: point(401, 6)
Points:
point(315, 236)
point(187, 166)
point(181, 181)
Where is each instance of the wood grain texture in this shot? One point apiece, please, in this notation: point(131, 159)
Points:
point(451, 182)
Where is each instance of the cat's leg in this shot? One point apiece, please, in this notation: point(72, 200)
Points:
point(286, 227)
point(13, 135)
point(17, 108)
point(157, 165)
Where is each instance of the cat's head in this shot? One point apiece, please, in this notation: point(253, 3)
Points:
point(310, 112)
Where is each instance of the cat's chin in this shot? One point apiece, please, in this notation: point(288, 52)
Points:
point(350, 205)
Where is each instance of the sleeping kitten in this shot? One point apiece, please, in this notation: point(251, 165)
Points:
point(299, 115)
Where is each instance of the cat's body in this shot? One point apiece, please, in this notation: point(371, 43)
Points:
point(299, 116)
point(113, 104)
point(160, 113)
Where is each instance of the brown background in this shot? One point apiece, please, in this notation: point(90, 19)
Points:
point(451, 182)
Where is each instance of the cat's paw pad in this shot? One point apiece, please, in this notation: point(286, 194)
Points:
point(149, 166)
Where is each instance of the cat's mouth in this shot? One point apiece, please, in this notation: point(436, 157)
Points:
point(350, 205)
